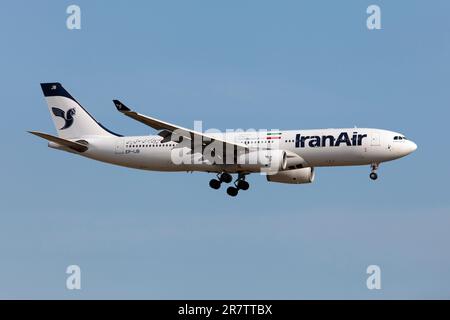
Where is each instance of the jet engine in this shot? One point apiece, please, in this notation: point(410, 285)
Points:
point(295, 176)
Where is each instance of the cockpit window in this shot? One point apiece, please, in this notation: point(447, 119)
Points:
point(396, 137)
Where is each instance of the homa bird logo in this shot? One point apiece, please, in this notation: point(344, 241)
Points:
point(68, 118)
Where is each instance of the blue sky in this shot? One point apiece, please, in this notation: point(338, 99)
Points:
point(231, 64)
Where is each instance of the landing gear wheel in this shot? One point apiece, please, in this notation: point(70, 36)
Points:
point(373, 168)
point(215, 184)
point(232, 191)
point(226, 177)
point(242, 184)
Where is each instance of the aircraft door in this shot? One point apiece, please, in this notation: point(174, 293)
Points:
point(375, 139)
point(119, 148)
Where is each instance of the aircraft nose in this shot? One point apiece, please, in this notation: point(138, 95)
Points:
point(405, 148)
point(411, 147)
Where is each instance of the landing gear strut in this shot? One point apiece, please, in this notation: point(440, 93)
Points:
point(373, 174)
point(240, 184)
point(221, 177)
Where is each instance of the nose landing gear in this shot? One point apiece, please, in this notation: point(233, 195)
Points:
point(373, 174)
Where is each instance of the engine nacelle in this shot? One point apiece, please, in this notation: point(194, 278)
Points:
point(295, 176)
point(270, 161)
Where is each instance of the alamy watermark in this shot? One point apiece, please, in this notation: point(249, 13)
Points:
point(373, 22)
point(73, 281)
point(73, 21)
point(373, 282)
point(248, 150)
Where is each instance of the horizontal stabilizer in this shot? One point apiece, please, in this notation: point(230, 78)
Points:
point(63, 142)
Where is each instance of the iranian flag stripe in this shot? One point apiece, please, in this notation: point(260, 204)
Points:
point(273, 135)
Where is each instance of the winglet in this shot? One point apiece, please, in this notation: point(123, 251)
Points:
point(120, 106)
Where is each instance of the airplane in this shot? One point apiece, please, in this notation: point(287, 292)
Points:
point(284, 156)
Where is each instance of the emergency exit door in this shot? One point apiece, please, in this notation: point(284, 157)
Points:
point(375, 139)
point(119, 149)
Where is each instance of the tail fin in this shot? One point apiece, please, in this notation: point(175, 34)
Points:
point(70, 118)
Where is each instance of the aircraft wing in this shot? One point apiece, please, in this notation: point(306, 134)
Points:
point(172, 132)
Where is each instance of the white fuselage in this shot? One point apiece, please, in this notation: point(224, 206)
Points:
point(318, 148)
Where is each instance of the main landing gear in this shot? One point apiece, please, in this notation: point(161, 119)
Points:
point(373, 174)
point(222, 177)
point(239, 184)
